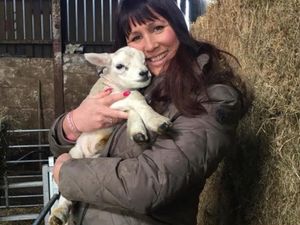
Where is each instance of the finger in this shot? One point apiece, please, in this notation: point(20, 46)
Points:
point(64, 157)
point(109, 100)
point(115, 114)
point(117, 120)
point(111, 121)
point(58, 164)
point(105, 92)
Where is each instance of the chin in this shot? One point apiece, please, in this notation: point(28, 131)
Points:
point(155, 72)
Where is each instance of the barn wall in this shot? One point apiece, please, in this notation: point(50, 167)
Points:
point(19, 88)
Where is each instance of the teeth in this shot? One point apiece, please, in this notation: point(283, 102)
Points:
point(157, 58)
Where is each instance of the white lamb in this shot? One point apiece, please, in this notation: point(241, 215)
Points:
point(125, 69)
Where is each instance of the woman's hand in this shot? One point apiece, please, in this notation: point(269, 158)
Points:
point(94, 112)
point(58, 163)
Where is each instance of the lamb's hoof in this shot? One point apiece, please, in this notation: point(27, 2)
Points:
point(140, 138)
point(164, 127)
point(55, 221)
point(58, 217)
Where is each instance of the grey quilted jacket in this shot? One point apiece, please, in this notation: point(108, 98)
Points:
point(156, 183)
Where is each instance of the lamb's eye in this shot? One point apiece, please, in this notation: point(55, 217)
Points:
point(120, 66)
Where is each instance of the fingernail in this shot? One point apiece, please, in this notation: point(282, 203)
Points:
point(108, 89)
point(126, 93)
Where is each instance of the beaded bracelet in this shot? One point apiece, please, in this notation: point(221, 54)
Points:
point(72, 126)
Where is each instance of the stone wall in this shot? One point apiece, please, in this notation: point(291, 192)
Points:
point(79, 76)
point(19, 88)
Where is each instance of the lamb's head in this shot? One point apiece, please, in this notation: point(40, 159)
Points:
point(124, 68)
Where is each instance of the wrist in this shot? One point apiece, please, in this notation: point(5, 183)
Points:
point(70, 129)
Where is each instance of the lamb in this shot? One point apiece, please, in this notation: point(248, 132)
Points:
point(125, 69)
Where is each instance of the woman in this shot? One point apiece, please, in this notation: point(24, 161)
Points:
point(159, 182)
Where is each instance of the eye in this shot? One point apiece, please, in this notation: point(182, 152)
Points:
point(158, 28)
point(135, 38)
point(120, 66)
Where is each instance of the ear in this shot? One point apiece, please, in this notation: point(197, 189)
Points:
point(102, 70)
point(102, 59)
point(202, 60)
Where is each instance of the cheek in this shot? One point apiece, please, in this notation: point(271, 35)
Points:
point(171, 40)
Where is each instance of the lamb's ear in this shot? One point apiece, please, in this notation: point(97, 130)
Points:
point(202, 60)
point(98, 59)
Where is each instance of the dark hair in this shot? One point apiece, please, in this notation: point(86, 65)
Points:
point(184, 79)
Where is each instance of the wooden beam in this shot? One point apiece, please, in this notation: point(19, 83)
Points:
point(57, 59)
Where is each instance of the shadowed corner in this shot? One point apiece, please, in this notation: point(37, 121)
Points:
point(243, 174)
point(3, 146)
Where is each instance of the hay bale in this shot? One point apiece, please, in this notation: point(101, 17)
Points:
point(263, 175)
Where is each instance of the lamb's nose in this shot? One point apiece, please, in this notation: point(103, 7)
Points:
point(144, 73)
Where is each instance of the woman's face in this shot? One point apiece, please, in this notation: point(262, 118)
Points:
point(157, 40)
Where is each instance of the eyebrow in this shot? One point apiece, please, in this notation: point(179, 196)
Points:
point(150, 23)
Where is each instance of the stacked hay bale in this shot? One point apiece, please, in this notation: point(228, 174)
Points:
point(261, 181)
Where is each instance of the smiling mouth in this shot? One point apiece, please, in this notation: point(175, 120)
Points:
point(157, 58)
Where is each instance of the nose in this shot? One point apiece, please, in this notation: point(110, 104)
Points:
point(143, 73)
point(149, 43)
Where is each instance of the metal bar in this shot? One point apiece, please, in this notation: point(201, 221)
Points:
point(28, 146)
point(23, 196)
point(32, 24)
point(28, 42)
point(46, 209)
point(29, 130)
point(102, 22)
point(50, 19)
point(24, 20)
point(84, 21)
point(68, 20)
point(187, 15)
point(5, 15)
point(25, 161)
point(40, 111)
point(110, 20)
point(25, 176)
point(6, 191)
point(42, 20)
point(23, 185)
point(15, 19)
point(94, 21)
point(76, 19)
point(19, 217)
point(45, 174)
point(21, 206)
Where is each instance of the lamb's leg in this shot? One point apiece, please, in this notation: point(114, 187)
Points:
point(60, 214)
point(87, 145)
point(152, 120)
point(135, 127)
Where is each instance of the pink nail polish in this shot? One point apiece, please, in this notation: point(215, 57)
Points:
point(126, 93)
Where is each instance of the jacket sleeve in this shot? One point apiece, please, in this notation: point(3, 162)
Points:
point(57, 141)
point(169, 168)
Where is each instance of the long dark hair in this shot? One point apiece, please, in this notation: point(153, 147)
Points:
point(184, 78)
